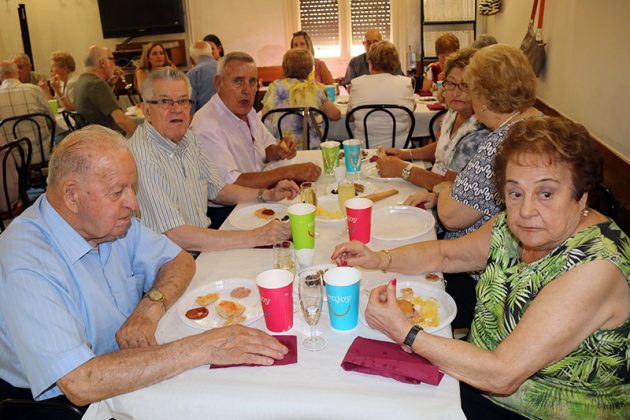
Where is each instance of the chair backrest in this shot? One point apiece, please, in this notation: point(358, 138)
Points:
point(15, 158)
point(387, 109)
point(604, 201)
point(299, 112)
point(73, 120)
point(435, 123)
point(35, 121)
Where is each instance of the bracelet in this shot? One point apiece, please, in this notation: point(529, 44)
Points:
point(389, 260)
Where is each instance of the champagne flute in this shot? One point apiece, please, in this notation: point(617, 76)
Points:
point(307, 193)
point(345, 191)
point(284, 258)
point(311, 300)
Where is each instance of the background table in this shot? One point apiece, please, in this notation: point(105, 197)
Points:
point(337, 129)
point(315, 387)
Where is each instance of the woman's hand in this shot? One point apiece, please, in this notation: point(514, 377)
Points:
point(384, 314)
point(423, 199)
point(355, 253)
point(390, 167)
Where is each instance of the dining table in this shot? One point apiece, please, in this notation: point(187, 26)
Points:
point(337, 129)
point(316, 386)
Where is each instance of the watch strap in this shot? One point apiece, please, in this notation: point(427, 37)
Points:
point(410, 338)
point(260, 197)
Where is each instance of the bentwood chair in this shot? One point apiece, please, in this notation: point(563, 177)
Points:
point(317, 120)
point(73, 120)
point(381, 109)
point(434, 124)
point(15, 158)
point(36, 123)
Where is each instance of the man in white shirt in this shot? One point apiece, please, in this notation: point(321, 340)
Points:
point(234, 137)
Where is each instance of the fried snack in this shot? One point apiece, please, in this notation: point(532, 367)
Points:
point(197, 313)
point(205, 300)
point(406, 307)
point(426, 312)
point(284, 146)
point(432, 277)
point(407, 293)
point(380, 151)
point(240, 292)
point(359, 188)
point(228, 309)
point(265, 213)
point(234, 320)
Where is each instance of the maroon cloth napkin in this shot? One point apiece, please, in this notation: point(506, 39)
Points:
point(290, 341)
point(435, 107)
point(387, 359)
point(425, 92)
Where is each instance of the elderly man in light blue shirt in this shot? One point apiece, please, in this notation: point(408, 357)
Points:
point(74, 268)
point(202, 75)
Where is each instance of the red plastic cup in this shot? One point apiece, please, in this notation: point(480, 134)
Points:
point(359, 216)
point(276, 297)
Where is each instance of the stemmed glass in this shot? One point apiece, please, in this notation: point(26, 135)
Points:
point(307, 193)
point(352, 151)
point(311, 300)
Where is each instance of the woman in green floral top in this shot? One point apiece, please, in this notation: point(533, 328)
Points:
point(551, 333)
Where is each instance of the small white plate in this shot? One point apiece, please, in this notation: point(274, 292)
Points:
point(399, 223)
point(245, 218)
point(253, 309)
point(329, 203)
point(371, 171)
point(447, 308)
point(368, 188)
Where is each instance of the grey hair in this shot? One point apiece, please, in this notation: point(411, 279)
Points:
point(25, 56)
point(8, 69)
point(197, 51)
point(484, 40)
point(233, 56)
point(72, 155)
point(163, 73)
point(95, 53)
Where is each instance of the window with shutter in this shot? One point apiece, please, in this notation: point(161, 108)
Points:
point(368, 14)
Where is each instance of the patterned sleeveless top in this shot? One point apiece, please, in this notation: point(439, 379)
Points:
point(593, 381)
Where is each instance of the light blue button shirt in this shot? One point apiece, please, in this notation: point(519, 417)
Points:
point(62, 301)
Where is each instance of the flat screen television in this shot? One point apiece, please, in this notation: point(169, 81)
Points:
point(122, 18)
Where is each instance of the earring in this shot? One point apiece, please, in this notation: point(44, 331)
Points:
point(585, 212)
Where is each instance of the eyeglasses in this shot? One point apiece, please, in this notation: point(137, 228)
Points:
point(448, 85)
point(168, 102)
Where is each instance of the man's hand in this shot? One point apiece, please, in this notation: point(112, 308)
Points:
point(390, 167)
point(284, 189)
point(238, 344)
point(302, 172)
point(139, 329)
point(272, 232)
point(284, 149)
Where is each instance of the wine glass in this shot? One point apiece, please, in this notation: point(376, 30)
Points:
point(352, 152)
point(307, 193)
point(284, 258)
point(311, 300)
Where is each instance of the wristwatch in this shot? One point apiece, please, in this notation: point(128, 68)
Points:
point(156, 296)
point(260, 197)
point(411, 337)
point(406, 172)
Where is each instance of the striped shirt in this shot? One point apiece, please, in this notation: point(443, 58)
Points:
point(175, 180)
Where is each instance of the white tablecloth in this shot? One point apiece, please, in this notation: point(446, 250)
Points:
point(337, 129)
point(315, 387)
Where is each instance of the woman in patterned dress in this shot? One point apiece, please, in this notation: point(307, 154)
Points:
point(551, 332)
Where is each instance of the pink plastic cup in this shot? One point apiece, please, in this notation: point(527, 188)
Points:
point(276, 297)
point(359, 212)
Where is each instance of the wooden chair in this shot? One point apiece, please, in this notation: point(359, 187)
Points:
point(298, 112)
point(387, 109)
point(268, 74)
point(15, 155)
point(36, 122)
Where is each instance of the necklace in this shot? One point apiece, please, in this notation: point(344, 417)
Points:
point(509, 119)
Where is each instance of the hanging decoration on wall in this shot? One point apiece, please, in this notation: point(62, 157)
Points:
point(489, 7)
point(533, 45)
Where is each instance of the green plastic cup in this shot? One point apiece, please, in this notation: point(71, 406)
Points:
point(54, 105)
point(330, 156)
point(302, 217)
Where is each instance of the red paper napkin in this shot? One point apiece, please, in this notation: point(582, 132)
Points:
point(435, 107)
point(387, 359)
point(290, 341)
point(425, 92)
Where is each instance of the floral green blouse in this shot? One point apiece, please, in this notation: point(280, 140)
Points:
point(593, 381)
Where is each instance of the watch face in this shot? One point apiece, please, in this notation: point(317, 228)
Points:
point(156, 295)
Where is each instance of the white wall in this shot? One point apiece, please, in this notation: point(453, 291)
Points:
point(586, 75)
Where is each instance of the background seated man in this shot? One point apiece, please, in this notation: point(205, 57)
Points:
point(174, 201)
point(25, 67)
point(202, 75)
point(94, 98)
point(234, 137)
point(73, 271)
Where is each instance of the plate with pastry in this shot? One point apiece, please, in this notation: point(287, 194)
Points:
point(426, 306)
point(220, 303)
point(257, 215)
point(361, 187)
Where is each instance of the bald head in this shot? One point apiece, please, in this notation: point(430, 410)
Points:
point(200, 49)
point(372, 36)
point(81, 151)
point(94, 55)
point(8, 70)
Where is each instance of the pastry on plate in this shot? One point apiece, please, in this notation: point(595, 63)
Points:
point(228, 309)
point(265, 213)
point(205, 300)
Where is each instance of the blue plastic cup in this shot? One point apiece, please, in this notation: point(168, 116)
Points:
point(352, 155)
point(331, 92)
point(342, 289)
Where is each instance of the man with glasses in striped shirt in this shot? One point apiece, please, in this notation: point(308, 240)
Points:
point(176, 178)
